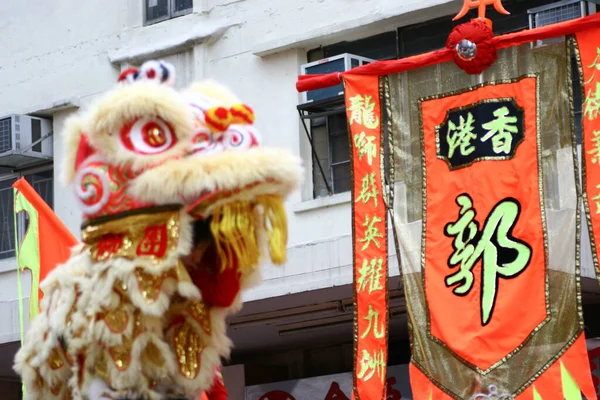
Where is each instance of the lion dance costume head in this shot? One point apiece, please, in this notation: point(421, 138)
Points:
point(181, 204)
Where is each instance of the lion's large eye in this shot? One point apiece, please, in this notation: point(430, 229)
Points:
point(148, 136)
point(240, 137)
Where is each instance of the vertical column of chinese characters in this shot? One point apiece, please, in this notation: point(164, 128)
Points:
point(591, 111)
point(370, 239)
point(590, 63)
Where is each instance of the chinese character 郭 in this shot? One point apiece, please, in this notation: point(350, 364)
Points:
point(365, 146)
point(370, 275)
point(373, 318)
point(500, 130)
point(461, 136)
point(595, 151)
point(362, 111)
point(481, 5)
point(591, 105)
point(372, 233)
point(369, 189)
point(470, 245)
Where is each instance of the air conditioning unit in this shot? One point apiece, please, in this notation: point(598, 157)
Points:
point(554, 13)
point(339, 63)
point(25, 141)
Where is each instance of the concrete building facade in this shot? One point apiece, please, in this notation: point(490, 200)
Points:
point(58, 57)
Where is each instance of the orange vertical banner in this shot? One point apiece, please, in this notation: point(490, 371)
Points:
point(589, 54)
point(369, 219)
point(485, 258)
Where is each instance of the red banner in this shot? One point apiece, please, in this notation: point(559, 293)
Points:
point(484, 247)
point(369, 238)
point(589, 53)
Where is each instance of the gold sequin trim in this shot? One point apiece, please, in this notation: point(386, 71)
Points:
point(199, 311)
point(153, 355)
point(116, 320)
point(121, 354)
point(55, 360)
point(188, 347)
point(150, 285)
point(101, 368)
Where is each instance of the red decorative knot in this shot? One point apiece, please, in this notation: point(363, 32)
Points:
point(472, 47)
point(151, 74)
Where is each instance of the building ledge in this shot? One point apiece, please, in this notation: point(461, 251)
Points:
point(322, 202)
point(390, 18)
point(46, 110)
point(142, 46)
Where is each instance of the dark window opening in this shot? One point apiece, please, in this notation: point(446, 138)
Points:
point(36, 134)
point(161, 10)
point(330, 140)
point(43, 183)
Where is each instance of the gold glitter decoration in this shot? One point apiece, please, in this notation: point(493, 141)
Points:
point(199, 311)
point(137, 324)
point(121, 354)
point(55, 360)
point(101, 367)
point(116, 320)
point(188, 347)
point(152, 355)
point(150, 285)
point(131, 230)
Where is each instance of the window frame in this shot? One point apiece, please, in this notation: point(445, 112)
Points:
point(16, 175)
point(330, 167)
point(170, 15)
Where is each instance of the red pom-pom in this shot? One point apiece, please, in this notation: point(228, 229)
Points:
point(480, 33)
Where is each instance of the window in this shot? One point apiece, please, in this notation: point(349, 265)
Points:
point(330, 139)
point(42, 181)
point(161, 10)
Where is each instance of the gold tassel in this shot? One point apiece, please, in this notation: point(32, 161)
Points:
point(276, 226)
point(233, 228)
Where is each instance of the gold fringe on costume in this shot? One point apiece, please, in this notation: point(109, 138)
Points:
point(233, 227)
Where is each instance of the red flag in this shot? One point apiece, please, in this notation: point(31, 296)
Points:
point(51, 240)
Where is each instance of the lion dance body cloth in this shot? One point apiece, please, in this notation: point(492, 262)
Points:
point(181, 205)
